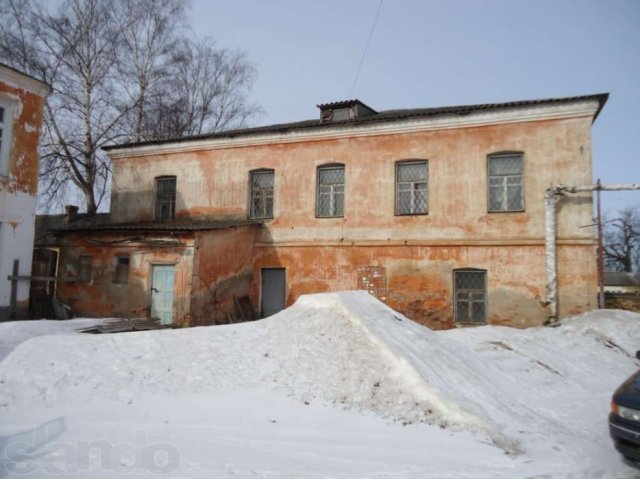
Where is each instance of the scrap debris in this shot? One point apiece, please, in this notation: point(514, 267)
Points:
point(118, 325)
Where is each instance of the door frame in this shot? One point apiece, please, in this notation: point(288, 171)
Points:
point(285, 292)
point(151, 269)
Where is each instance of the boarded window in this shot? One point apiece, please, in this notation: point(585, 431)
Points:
point(330, 195)
point(121, 273)
point(412, 188)
point(165, 199)
point(84, 268)
point(261, 182)
point(505, 183)
point(470, 292)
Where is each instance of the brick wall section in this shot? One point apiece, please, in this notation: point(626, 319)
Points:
point(374, 280)
point(623, 301)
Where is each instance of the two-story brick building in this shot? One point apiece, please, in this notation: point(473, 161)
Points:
point(21, 109)
point(439, 212)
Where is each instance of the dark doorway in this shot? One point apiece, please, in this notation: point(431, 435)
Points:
point(273, 292)
point(41, 292)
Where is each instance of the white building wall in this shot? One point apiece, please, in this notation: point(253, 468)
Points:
point(17, 221)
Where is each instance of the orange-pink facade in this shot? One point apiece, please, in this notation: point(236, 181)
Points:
point(407, 261)
point(21, 116)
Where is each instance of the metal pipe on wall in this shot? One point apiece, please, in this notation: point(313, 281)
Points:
point(552, 197)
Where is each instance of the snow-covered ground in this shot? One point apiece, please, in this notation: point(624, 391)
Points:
point(337, 385)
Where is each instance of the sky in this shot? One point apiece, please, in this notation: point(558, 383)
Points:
point(430, 53)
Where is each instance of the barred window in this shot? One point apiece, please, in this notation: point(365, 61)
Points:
point(470, 292)
point(84, 268)
point(165, 199)
point(330, 193)
point(505, 183)
point(412, 188)
point(261, 205)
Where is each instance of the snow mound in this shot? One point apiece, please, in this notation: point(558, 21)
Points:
point(351, 350)
point(346, 348)
point(13, 334)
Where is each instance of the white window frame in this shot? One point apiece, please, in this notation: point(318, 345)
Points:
point(261, 194)
point(6, 139)
point(331, 190)
point(505, 183)
point(413, 188)
point(472, 297)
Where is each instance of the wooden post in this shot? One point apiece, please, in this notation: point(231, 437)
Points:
point(13, 299)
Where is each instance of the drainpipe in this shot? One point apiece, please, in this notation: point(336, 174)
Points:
point(552, 196)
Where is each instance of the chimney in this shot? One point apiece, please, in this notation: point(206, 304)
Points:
point(72, 212)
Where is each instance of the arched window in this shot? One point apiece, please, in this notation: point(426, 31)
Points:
point(470, 296)
point(261, 193)
point(506, 182)
point(165, 198)
point(412, 192)
point(330, 191)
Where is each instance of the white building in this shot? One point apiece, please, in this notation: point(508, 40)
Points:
point(21, 112)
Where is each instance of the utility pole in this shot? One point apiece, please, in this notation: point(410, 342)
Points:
point(600, 247)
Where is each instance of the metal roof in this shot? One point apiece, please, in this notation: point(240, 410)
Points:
point(383, 116)
point(622, 279)
point(186, 225)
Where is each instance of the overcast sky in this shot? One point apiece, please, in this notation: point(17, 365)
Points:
point(438, 53)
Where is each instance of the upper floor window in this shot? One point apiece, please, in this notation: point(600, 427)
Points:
point(165, 199)
point(505, 183)
point(5, 141)
point(411, 187)
point(261, 182)
point(330, 193)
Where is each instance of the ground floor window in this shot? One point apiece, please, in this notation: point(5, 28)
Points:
point(470, 293)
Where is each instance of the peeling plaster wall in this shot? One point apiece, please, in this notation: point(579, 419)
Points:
point(102, 297)
point(419, 278)
point(224, 271)
point(18, 186)
point(323, 254)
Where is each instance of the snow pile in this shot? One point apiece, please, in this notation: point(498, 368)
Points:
point(541, 393)
point(13, 334)
point(343, 348)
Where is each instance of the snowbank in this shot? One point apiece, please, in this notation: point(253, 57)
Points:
point(13, 334)
point(540, 394)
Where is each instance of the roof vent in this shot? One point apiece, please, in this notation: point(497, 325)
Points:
point(344, 111)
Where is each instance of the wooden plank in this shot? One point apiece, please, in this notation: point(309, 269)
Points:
point(123, 325)
point(39, 278)
point(13, 299)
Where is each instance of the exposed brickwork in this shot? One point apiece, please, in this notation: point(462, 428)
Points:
point(374, 280)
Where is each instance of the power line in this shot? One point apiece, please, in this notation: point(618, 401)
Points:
point(366, 47)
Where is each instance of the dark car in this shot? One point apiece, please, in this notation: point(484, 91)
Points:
point(624, 419)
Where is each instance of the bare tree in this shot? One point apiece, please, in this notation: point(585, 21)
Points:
point(205, 93)
point(152, 48)
point(622, 241)
point(119, 71)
